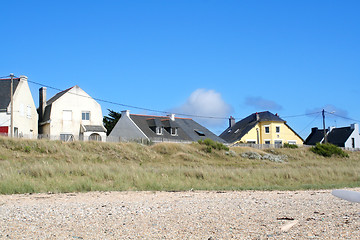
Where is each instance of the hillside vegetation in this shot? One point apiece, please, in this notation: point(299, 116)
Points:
point(28, 166)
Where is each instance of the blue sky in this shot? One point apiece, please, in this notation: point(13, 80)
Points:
point(199, 57)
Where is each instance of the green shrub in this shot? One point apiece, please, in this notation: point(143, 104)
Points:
point(288, 145)
point(328, 149)
point(211, 144)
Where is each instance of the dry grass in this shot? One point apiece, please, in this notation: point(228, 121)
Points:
point(28, 166)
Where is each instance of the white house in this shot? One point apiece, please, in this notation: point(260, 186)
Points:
point(70, 115)
point(25, 117)
point(347, 137)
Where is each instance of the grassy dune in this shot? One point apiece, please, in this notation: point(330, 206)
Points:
point(28, 166)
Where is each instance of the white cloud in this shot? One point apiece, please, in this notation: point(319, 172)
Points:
point(209, 103)
point(262, 104)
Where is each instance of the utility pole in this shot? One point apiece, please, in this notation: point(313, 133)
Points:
point(325, 137)
point(12, 105)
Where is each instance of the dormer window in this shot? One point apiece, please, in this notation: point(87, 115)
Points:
point(173, 131)
point(159, 130)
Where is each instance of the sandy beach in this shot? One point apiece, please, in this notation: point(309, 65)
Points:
point(179, 215)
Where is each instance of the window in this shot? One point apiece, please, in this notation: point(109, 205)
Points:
point(278, 142)
point(277, 129)
point(159, 130)
point(67, 115)
point(267, 141)
point(95, 137)
point(28, 112)
point(66, 137)
point(85, 115)
point(267, 129)
point(251, 142)
point(200, 133)
point(173, 131)
point(292, 142)
point(237, 130)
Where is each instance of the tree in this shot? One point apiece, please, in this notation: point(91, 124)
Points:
point(111, 120)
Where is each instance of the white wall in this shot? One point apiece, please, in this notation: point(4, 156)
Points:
point(25, 114)
point(355, 135)
point(76, 100)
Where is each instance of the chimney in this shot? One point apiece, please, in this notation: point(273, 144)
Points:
point(172, 117)
point(42, 102)
point(125, 113)
point(314, 129)
point(257, 116)
point(355, 126)
point(24, 78)
point(231, 121)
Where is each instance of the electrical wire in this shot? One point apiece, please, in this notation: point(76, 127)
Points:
point(131, 106)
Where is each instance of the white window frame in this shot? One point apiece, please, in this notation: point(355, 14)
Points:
point(159, 130)
point(251, 141)
point(173, 131)
point(28, 111)
point(267, 126)
point(85, 113)
point(267, 140)
point(276, 127)
point(292, 142)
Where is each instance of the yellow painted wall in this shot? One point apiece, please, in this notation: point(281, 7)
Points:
point(285, 135)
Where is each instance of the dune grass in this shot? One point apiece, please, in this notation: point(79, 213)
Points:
point(29, 166)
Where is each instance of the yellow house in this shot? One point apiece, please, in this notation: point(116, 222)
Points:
point(261, 128)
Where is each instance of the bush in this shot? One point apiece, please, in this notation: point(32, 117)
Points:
point(328, 149)
point(211, 144)
point(288, 145)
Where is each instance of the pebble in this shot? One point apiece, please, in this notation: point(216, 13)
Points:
point(179, 215)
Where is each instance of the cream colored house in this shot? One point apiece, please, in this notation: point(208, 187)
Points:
point(261, 128)
point(70, 115)
point(25, 117)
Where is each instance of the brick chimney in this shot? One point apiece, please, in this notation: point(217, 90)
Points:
point(42, 102)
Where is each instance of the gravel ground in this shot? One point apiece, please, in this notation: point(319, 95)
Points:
point(179, 215)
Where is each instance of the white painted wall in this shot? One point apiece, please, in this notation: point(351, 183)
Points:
point(355, 135)
point(25, 114)
point(75, 100)
point(126, 130)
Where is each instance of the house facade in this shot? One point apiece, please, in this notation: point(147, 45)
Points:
point(70, 115)
point(260, 128)
point(347, 137)
point(134, 127)
point(25, 117)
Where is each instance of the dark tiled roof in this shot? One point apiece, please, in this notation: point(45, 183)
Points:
point(47, 111)
point(185, 128)
point(236, 132)
point(5, 86)
point(148, 128)
point(338, 136)
point(316, 136)
point(94, 128)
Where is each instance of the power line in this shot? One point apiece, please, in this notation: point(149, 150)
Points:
point(343, 116)
point(131, 106)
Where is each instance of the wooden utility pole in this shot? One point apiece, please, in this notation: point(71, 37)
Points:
point(12, 105)
point(325, 136)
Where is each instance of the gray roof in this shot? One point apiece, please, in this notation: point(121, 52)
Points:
point(185, 128)
point(94, 128)
point(316, 136)
point(337, 136)
point(5, 86)
point(239, 129)
point(47, 111)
